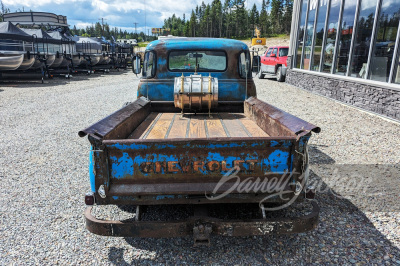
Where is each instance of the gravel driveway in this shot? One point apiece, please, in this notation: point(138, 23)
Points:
point(43, 169)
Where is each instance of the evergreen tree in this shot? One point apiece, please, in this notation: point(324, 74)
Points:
point(287, 17)
point(264, 19)
point(192, 24)
point(254, 18)
point(277, 15)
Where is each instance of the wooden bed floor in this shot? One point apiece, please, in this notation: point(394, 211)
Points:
point(172, 125)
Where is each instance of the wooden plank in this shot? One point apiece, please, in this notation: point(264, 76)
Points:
point(140, 131)
point(214, 127)
point(252, 128)
point(179, 127)
point(197, 128)
point(161, 127)
point(234, 127)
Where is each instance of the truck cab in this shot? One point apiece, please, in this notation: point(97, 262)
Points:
point(222, 58)
point(273, 63)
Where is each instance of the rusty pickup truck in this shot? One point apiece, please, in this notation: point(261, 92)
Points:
point(198, 135)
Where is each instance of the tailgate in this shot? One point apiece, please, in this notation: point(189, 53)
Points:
point(180, 166)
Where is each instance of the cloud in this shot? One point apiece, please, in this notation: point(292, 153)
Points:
point(117, 13)
point(120, 13)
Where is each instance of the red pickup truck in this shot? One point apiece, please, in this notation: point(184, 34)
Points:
point(273, 63)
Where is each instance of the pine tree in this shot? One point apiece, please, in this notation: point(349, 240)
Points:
point(254, 18)
point(192, 24)
point(277, 15)
point(287, 17)
point(264, 20)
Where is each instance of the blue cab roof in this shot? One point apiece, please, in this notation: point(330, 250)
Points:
point(183, 43)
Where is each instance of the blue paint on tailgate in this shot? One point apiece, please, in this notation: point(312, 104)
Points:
point(121, 167)
point(135, 158)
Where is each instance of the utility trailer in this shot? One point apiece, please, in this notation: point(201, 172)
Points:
point(197, 135)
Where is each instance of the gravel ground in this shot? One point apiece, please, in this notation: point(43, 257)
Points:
point(43, 168)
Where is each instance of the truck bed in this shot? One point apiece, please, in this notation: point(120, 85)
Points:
point(149, 153)
point(188, 126)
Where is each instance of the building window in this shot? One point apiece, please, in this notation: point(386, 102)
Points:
point(319, 36)
point(397, 75)
point(330, 42)
point(309, 35)
point(388, 23)
point(359, 39)
point(362, 40)
point(301, 32)
point(349, 11)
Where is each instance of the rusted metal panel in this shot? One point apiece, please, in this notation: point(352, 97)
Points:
point(195, 161)
point(165, 199)
point(119, 124)
point(244, 227)
point(275, 121)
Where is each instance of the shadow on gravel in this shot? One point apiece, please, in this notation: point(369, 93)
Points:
point(1, 90)
point(317, 156)
point(344, 235)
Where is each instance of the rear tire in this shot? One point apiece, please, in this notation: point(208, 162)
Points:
point(279, 76)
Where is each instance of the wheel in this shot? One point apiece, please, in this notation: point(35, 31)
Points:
point(279, 76)
point(260, 75)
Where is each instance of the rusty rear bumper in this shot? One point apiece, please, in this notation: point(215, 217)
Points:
point(160, 229)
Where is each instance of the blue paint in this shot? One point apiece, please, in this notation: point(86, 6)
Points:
point(231, 91)
point(198, 43)
point(121, 167)
point(157, 91)
point(168, 76)
point(91, 170)
point(164, 89)
point(161, 61)
point(161, 197)
point(124, 167)
point(278, 161)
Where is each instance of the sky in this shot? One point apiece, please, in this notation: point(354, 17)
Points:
point(116, 13)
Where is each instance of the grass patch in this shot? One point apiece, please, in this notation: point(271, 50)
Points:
point(143, 44)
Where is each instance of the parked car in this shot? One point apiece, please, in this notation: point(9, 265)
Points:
point(273, 63)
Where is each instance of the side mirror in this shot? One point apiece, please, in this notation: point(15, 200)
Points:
point(256, 64)
point(273, 55)
point(136, 67)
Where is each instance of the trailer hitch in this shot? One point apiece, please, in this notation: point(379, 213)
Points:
point(201, 234)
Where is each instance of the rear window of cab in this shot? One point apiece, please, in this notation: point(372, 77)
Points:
point(201, 61)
